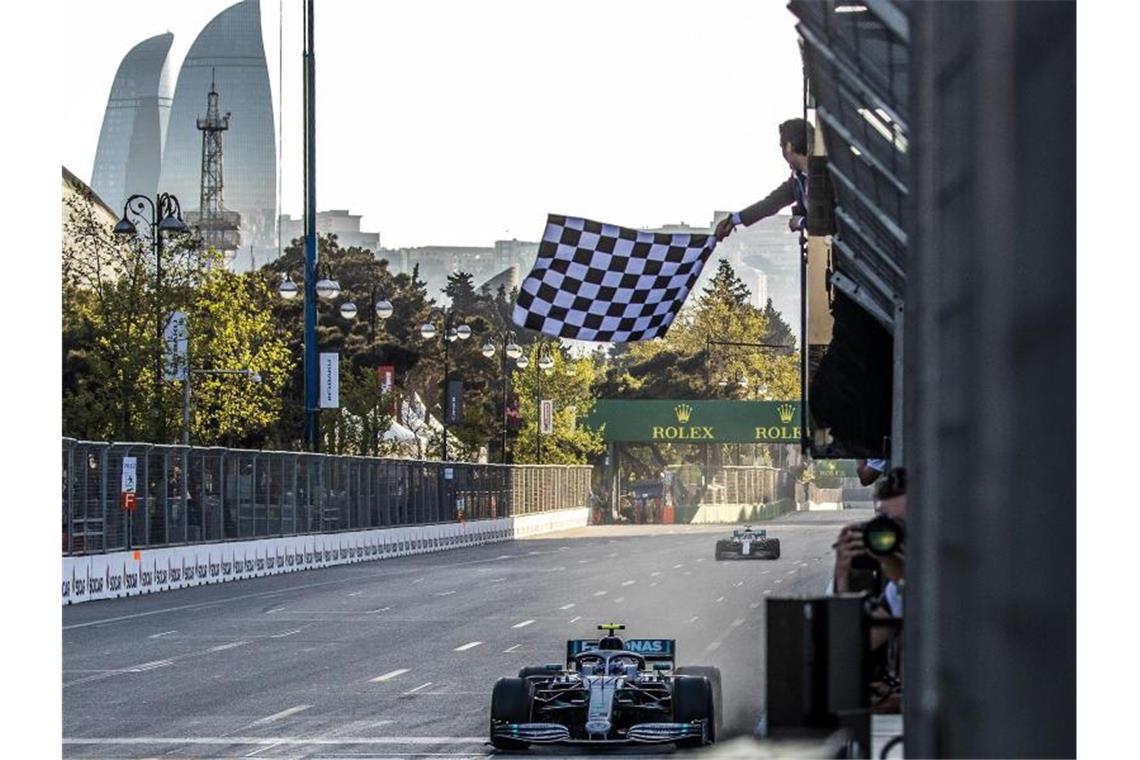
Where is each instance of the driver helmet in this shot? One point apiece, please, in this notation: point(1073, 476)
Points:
point(610, 641)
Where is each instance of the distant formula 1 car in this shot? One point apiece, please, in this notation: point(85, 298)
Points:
point(610, 692)
point(748, 544)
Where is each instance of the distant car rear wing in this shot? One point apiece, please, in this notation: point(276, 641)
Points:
point(757, 533)
point(653, 650)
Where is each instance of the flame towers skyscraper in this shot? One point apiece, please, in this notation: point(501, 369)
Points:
point(229, 52)
point(128, 158)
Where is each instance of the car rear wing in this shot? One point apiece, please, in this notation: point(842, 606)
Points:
point(761, 533)
point(653, 650)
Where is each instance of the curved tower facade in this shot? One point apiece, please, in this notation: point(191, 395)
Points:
point(229, 52)
point(128, 158)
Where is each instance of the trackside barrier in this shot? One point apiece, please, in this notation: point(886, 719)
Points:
point(129, 573)
point(188, 495)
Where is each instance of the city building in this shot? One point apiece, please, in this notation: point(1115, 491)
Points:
point(128, 158)
point(229, 52)
point(340, 222)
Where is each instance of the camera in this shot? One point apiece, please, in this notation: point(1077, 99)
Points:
point(882, 536)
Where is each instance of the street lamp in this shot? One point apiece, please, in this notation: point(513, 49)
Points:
point(165, 217)
point(451, 332)
point(381, 310)
point(544, 366)
point(511, 350)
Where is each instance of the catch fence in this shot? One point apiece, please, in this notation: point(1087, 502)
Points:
point(186, 495)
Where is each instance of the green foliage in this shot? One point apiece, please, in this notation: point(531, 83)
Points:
point(685, 364)
point(568, 385)
point(231, 327)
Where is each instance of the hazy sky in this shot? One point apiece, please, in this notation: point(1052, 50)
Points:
point(460, 122)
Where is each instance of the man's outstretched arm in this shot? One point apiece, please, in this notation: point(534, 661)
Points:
point(781, 197)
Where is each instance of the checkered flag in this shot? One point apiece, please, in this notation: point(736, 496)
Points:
point(606, 283)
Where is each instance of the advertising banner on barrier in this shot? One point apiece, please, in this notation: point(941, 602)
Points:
point(128, 573)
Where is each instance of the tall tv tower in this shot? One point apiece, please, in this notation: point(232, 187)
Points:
point(219, 227)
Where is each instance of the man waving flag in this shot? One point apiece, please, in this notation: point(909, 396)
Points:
point(605, 283)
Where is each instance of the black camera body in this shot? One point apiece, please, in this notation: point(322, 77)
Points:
point(882, 535)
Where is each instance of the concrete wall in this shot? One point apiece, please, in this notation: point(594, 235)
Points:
point(130, 573)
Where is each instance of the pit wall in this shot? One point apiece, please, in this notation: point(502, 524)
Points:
point(131, 573)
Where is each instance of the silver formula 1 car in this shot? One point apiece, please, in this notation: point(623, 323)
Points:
point(748, 544)
point(610, 692)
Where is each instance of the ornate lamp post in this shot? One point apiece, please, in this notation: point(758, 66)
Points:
point(165, 216)
point(513, 351)
point(451, 332)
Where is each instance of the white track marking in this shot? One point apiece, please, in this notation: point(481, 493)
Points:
point(468, 645)
point(700, 559)
point(444, 593)
point(754, 605)
point(497, 580)
point(655, 573)
point(417, 580)
point(511, 649)
point(779, 580)
point(575, 620)
point(231, 645)
point(738, 584)
point(523, 624)
point(651, 585)
point(421, 686)
point(154, 665)
point(373, 612)
point(583, 561)
point(599, 593)
point(694, 618)
point(285, 634)
point(767, 591)
point(688, 572)
point(389, 675)
point(280, 715)
point(628, 583)
point(356, 593)
point(720, 599)
point(270, 740)
point(677, 567)
point(713, 646)
point(619, 600)
point(275, 609)
point(566, 606)
point(160, 635)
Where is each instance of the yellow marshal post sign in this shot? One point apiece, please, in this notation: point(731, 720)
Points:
point(697, 421)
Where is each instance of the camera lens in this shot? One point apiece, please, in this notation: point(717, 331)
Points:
point(882, 535)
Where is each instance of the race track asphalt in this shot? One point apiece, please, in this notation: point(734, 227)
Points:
point(396, 658)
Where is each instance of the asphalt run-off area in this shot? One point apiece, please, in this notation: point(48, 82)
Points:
point(396, 658)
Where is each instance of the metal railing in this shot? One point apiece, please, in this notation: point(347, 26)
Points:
point(187, 495)
point(750, 485)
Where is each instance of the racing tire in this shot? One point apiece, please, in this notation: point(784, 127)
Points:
point(713, 675)
point(693, 700)
point(533, 670)
point(721, 551)
point(510, 702)
point(772, 547)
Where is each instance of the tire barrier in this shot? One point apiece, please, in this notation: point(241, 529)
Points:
point(130, 573)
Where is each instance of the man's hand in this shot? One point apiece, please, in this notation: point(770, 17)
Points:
point(723, 228)
point(847, 547)
point(795, 223)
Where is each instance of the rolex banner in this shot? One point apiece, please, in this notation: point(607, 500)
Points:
point(697, 421)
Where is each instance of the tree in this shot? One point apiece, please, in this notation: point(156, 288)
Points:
point(112, 305)
point(231, 327)
point(779, 331)
point(569, 386)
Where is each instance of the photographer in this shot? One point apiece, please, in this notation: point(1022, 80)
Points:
point(859, 566)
